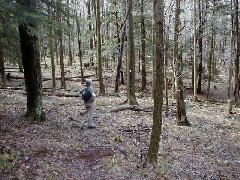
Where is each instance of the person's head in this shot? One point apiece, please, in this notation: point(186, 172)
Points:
point(88, 82)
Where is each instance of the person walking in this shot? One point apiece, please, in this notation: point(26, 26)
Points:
point(88, 96)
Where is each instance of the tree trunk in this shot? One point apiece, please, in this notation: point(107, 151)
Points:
point(99, 48)
point(56, 50)
point(211, 57)
point(61, 48)
point(200, 46)
point(79, 47)
point(195, 66)
point(2, 68)
point(143, 44)
point(230, 69)
point(237, 50)
point(31, 64)
point(159, 82)
point(70, 61)
point(177, 67)
point(51, 50)
point(119, 66)
point(131, 88)
point(88, 5)
point(63, 83)
point(117, 24)
point(165, 73)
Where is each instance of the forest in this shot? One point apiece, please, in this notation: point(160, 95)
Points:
point(166, 78)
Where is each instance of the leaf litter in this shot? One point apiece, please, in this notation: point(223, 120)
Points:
point(63, 148)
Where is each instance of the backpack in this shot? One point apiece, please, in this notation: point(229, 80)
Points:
point(86, 95)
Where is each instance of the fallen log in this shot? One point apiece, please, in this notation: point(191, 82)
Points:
point(133, 108)
point(62, 95)
point(13, 88)
point(67, 78)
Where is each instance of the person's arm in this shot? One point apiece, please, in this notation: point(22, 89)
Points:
point(93, 94)
point(81, 90)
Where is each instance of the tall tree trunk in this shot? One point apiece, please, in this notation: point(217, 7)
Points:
point(131, 87)
point(177, 66)
point(56, 50)
point(195, 66)
point(63, 83)
point(237, 50)
point(143, 44)
point(211, 56)
point(165, 71)
point(120, 54)
point(159, 82)
point(31, 64)
point(61, 48)
point(117, 24)
point(51, 50)
point(79, 47)
point(99, 48)
point(2, 68)
point(88, 5)
point(70, 61)
point(230, 69)
point(200, 46)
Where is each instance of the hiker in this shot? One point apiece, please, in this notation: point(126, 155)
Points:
point(88, 96)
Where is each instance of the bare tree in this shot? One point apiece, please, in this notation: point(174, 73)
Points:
point(237, 51)
point(143, 44)
point(159, 81)
point(99, 47)
point(131, 87)
point(178, 70)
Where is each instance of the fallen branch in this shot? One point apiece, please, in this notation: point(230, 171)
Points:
point(68, 78)
point(62, 95)
point(133, 108)
point(13, 88)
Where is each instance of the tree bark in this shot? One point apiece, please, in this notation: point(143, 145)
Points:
point(195, 66)
point(79, 47)
point(237, 51)
point(131, 88)
point(120, 54)
point(211, 56)
point(51, 50)
point(159, 81)
point(2, 68)
point(31, 64)
point(177, 67)
point(143, 44)
point(61, 48)
point(88, 6)
point(99, 48)
point(200, 46)
point(70, 61)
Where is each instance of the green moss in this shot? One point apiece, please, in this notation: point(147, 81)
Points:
point(35, 116)
point(7, 159)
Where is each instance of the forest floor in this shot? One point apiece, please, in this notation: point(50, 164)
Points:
point(63, 148)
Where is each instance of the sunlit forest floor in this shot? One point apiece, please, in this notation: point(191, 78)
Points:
point(63, 148)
